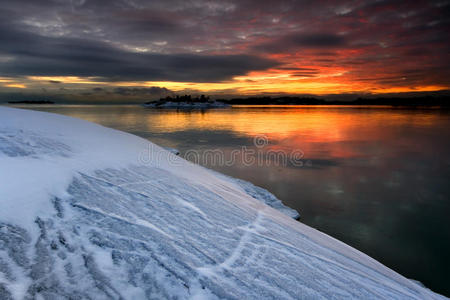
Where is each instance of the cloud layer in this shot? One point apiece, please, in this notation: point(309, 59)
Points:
point(34, 54)
point(363, 45)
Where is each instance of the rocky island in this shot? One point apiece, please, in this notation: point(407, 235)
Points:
point(186, 102)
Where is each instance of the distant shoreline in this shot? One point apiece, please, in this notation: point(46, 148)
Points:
point(443, 101)
point(422, 101)
point(190, 101)
point(31, 102)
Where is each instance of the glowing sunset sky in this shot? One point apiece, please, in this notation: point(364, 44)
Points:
point(112, 49)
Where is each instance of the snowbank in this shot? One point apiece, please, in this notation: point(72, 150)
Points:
point(91, 212)
point(172, 150)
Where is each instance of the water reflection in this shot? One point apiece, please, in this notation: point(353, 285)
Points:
point(376, 178)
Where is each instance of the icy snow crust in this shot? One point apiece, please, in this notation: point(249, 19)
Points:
point(82, 217)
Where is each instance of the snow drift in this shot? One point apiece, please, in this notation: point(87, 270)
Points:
point(88, 212)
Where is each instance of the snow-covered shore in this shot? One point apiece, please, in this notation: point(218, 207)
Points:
point(91, 212)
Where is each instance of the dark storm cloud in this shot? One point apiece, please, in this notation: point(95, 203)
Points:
point(60, 56)
point(34, 53)
point(298, 41)
point(320, 40)
point(151, 91)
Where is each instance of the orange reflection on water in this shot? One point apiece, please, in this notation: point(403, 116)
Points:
point(319, 131)
point(318, 122)
point(300, 127)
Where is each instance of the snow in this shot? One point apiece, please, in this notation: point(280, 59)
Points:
point(91, 212)
point(172, 150)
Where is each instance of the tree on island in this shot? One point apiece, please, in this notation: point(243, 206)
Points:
point(185, 98)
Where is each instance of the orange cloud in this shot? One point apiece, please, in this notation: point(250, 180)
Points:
point(15, 85)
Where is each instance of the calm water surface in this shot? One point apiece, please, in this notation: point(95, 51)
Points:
point(376, 178)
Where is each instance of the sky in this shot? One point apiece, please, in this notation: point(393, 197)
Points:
point(109, 50)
